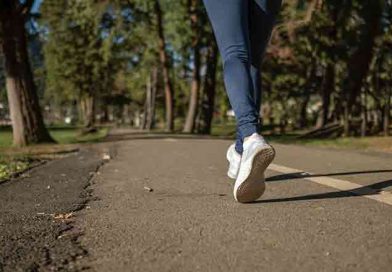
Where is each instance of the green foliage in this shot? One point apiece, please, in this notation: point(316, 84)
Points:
point(86, 50)
point(338, 36)
point(319, 51)
point(74, 48)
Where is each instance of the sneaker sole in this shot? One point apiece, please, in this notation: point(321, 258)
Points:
point(253, 187)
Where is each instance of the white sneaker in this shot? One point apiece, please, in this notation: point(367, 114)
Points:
point(234, 161)
point(250, 183)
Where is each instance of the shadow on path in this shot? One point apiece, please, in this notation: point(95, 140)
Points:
point(301, 175)
point(362, 191)
point(373, 189)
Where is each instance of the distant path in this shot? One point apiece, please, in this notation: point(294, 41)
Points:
point(190, 222)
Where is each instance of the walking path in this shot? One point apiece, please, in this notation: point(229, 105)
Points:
point(165, 204)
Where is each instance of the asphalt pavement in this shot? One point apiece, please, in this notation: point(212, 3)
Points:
point(165, 204)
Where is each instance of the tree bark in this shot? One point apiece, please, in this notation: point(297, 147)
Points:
point(209, 89)
point(152, 103)
point(364, 119)
point(387, 113)
point(164, 59)
point(87, 105)
point(326, 91)
point(328, 85)
point(149, 105)
point(303, 117)
point(359, 63)
point(310, 75)
point(346, 121)
point(27, 121)
point(189, 125)
point(195, 87)
point(147, 101)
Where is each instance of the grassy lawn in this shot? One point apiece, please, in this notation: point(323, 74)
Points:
point(14, 160)
point(63, 135)
point(373, 143)
point(72, 135)
point(5, 137)
point(228, 129)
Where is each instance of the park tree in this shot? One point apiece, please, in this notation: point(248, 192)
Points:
point(152, 68)
point(360, 60)
point(322, 60)
point(77, 52)
point(209, 87)
point(155, 63)
point(27, 122)
point(165, 66)
point(194, 14)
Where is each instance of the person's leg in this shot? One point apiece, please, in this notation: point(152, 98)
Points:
point(230, 20)
point(262, 15)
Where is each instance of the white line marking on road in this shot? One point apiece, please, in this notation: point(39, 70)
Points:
point(343, 185)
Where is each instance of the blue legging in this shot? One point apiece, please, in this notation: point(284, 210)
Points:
point(242, 29)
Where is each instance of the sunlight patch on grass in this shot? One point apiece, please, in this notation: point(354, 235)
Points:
point(62, 135)
point(9, 166)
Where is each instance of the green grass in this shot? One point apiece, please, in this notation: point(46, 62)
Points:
point(62, 135)
point(375, 143)
point(369, 143)
point(228, 129)
point(5, 137)
point(9, 166)
point(14, 162)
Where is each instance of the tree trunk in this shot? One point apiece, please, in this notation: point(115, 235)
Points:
point(346, 121)
point(105, 111)
point(364, 119)
point(310, 75)
point(164, 59)
point(209, 90)
point(387, 113)
point(151, 109)
point(87, 106)
point(194, 95)
point(327, 89)
point(149, 105)
point(359, 62)
point(27, 121)
point(146, 104)
point(195, 87)
point(303, 118)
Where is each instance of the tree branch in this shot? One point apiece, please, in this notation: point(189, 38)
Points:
point(292, 25)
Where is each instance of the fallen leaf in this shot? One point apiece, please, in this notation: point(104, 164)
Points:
point(63, 215)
